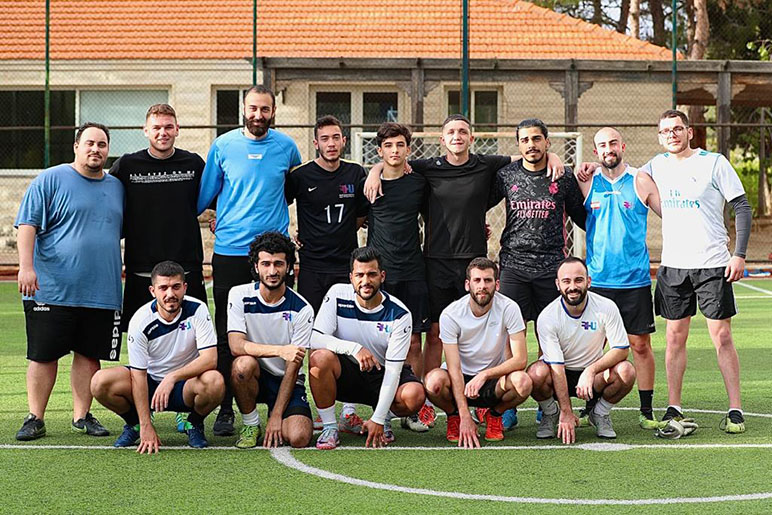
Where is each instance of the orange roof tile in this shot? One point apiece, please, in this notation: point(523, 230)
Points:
point(202, 29)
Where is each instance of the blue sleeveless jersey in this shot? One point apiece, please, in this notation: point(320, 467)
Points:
point(617, 256)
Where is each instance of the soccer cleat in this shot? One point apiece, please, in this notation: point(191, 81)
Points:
point(413, 423)
point(350, 423)
point(454, 428)
point(32, 429)
point(182, 423)
point(318, 425)
point(89, 425)
point(584, 418)
point(547, 425)
point(388, 435)
point(129, 437)
point(647, 421)
point(733, 422)
point(479, 415)
point(509, 419)
point(196, 437)
point(427, 415)
point(248, 436)
point(328, 440)
point(223, 424)
point(494, 428)
point(672, 414)
point(602, 423)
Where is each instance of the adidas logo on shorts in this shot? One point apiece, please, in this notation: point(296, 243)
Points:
point(39, 306)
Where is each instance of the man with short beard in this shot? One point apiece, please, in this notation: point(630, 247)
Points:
point(483, 336)
point(573, 331)
point(245, 171)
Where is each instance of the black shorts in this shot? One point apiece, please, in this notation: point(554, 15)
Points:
point(364, 387)
point(268, 390)
point(414, 295)
point(313, 286)
point(54, 331)
point(445, 279)
point(176, 399)
point(679, 290)
point(572, 378)
point(487, 397)
point(136, 293)
point(635, 306)
point(532, 295)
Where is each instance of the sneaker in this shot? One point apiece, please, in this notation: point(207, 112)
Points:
point(509, 419)
point(32, 429)
point(249, 436)
point(454, 428)
point(548, 425)
point(494, 428)
point(90, 426)
point(129, 437)
point(732, 423)
point(539, 414)
point(602, 423)
point(647, 421)
point(182, 423)
point(427, 415)
point(672, 414)
point(196, 437)
point(388, 435)
point(479, 415)
point(223, 424)
point(318, 425)
point(350, 423)
point(413, 423)
point(328, 440)
point(584, 417)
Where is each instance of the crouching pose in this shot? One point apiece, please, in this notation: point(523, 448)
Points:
point(172, 364)
point(573, 330)
point(483, 337)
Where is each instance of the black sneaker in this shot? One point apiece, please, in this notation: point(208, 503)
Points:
point(90, 426)
point(32, 429)
point(223, 425)
point(672, 414)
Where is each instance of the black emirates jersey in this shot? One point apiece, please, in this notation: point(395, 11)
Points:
point(455, 206)
point(392, 227)
point(159, 220)
point(328, 204)
point(534, 239)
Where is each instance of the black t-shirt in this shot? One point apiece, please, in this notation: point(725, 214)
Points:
point(328, 205)
point(160, 219)
point(534, 241)
point(455, 204)
point(392, 227)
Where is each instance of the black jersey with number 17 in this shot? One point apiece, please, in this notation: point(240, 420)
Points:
point(328, 205)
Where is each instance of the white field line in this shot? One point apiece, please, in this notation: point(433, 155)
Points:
point(768, 293)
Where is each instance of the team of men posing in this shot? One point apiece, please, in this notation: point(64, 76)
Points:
point(359, 312)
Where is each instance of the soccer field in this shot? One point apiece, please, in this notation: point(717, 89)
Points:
point(708, 472)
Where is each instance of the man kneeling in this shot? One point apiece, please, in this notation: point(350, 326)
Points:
point(483, 337)
point(361, 337)
point(172, 364)
point(573, 330)
point(269, 330)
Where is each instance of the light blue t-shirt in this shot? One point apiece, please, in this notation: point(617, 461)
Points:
point(77, 255)
point(247, 177)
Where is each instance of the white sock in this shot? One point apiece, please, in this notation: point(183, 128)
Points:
point(549, 407)
point(328, 416)
point(348, 409)
point(251, 419)
point(736, 409)
point(603, 407)
point(387, 423)
point(676, 407)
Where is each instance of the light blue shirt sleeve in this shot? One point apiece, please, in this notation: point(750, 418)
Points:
point(211, 179)
point(32, 210)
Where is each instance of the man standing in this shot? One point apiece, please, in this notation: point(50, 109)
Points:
point(361, 339)
point(156, 180)
point(483, 336)
point(245, 172)
point(70, 277)
point(269, 330)
point(392, 230)
point(573, 331)
point(172, 364)
point(694, 186)
point(617, 201)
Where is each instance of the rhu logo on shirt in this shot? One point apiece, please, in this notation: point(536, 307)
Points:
point(186, 325)
point(627, 204)
point(677, 202)
point(287, 316)
point(346, 188)
point(383, 328)
point(590, 326)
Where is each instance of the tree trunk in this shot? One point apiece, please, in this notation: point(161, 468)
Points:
point(699, 46)
point(597, 13)
point(658, 22)
point(764, 196)
point(690, 25)
point(634, 20)
point(624, 11)
point(696, 114)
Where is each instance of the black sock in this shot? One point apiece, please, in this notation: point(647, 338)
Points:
point(454, 414)
point(227, 403)
point(494, 413)
point(195, 419)
point(646, 396)
point(131, 417)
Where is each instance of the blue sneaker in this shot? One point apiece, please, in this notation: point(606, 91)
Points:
point(196, 437)
point(129, 437)
point(509, 419)
point(539, 414)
